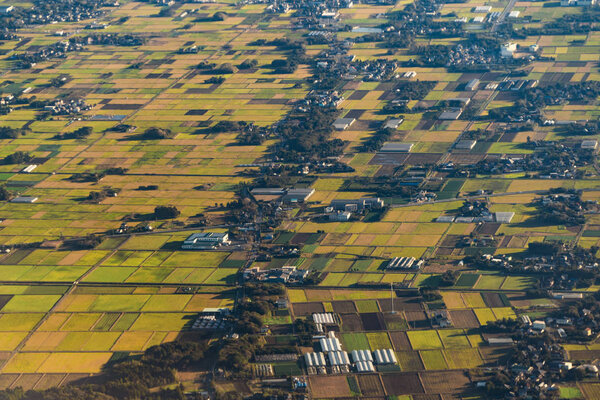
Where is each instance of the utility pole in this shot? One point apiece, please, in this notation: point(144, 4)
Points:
point(392, 296)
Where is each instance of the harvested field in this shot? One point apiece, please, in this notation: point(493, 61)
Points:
point(464, 319)
point(351, 322)
point(590, 390)
point(584, 355)
point(451, 382)
point(329, 386)
point(417, 319)
point(370, 385)
point(400, 303)
point(495, 355)
point(492, 299)
point(400, 341)
point(343, 307)
point(302, 309)
point(372, 321)
point(402, 383)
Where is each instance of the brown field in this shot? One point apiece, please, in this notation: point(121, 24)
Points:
point(400, 303)
point(464, 319)
point(302, 309)
point(342, 307)
point(584, 355)
point(402, 383)
point(417, 319)
point(329, 386)
point(372, 321)
point(370, 385)
point(351, 322)
point(492, 299)
point(444, 381)
point(590, 390)
point(400, 341)
point(495, 355)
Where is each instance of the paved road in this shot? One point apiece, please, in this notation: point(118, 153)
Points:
point(503, 15)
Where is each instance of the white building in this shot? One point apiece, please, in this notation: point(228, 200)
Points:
point(589, 144)
point(386, 356)
point(24, 199)
point(508, 50)
point(342, 124)
point(205, 240)
point(483, 9)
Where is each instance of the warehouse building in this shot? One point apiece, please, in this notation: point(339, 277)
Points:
point(205, 240)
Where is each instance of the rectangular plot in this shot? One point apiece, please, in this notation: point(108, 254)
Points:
point(410, 361)
point(370, 385)
point(447, 382)
point(433, 359)
point(464, 319)
point(106, 321)
point(402, 383)
point(125, 322)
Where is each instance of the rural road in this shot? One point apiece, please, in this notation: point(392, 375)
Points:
point(503, 15)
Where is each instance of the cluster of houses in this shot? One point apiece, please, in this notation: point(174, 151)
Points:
point(56, 11)
point(550, 161)
point(286, 274)
point(61, 107)
point(341, 210)
point(477, 211)
point(334, 360)
point(60, 49)
point(465, 55)
point(325, 99)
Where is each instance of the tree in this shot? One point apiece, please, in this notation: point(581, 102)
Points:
point(166, 212)
point(219, 16)
point(247, 64)
point(157, 133)
point(4, 193)
point(19, 157)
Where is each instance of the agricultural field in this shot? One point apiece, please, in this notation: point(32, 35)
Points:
point(187, 188)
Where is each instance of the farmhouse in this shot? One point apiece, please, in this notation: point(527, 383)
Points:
point(342, 124)
point(290, 195)
point(483, 9)
point(451, 114)
point(472, 84)
point(205, 240)
point(465, 144)
point(339, 216)
point(358, 205)
point(393, 123)
point(396, 147)
point(24, 199)
point(286, 274)
point(589, 144)
point(297, 195)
